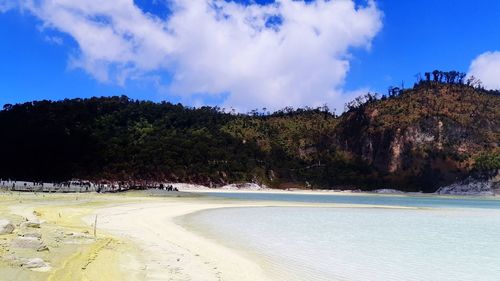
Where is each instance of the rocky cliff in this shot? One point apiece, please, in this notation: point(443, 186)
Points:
point(482, 185)
point(427, 136)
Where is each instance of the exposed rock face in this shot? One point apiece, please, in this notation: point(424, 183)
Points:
point(408, 151)
point(468, 188)
point(425, 138)
point(6, 227)
point(482, 186)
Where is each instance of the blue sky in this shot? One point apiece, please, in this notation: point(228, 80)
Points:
point(414, 37)
point(33, 68)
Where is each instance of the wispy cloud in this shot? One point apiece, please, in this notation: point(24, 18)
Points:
point(6, 5)
point(54, 39)
point(287, 53)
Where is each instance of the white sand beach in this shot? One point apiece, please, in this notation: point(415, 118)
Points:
point(168, 251)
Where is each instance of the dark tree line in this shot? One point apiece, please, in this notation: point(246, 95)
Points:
point(448, 77)
point(451, 77)
point(118, 138)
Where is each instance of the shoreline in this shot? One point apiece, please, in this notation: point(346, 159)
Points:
point(168, 249)
point(340, 193)
point(235, 187)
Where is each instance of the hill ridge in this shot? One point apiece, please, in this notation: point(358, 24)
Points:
point(414, 139)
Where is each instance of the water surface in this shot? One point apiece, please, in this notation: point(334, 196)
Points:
point(365, 244)
point(433, 201)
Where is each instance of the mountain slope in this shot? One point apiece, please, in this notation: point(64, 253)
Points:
point(427, 136)
point(418, 139)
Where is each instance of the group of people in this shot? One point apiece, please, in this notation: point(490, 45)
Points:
point(14, 184)
point(168, 187)
point(38, 186)
point(81, 186)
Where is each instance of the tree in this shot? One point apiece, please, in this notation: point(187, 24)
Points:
point(428, 76)
point(418, 76)
point(394, 91)
point(487, 162)
point(461, 77)
point(361, 101)
point(452, 76)
point(473, 82)
point(437, 75)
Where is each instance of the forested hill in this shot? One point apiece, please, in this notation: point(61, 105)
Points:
point(414, 139)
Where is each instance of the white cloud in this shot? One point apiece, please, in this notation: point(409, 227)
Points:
point(486, 67)
point(214, 46)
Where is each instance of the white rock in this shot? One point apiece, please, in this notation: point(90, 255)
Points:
point(6, 227)
point(77, 235)
point(28, 243)
point(468, 187)
point(32, 234)
point(388, 191)
point(32, 224)
point(188, 187)
point(35, 263)
point(243, 186)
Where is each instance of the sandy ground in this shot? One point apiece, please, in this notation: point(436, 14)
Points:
point(70, 251)
point(138, 237)
point(170, 252)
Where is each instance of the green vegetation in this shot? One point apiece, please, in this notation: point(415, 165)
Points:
point(487, 162)
point(412, 139)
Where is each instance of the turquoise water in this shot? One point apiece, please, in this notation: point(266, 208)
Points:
point(365, 244)
point(381, 200)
